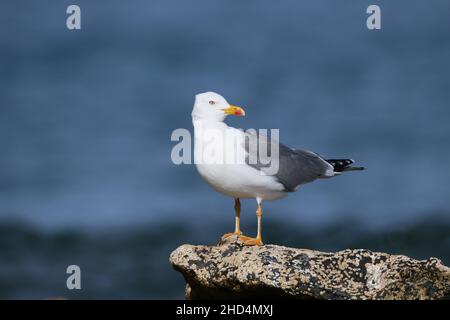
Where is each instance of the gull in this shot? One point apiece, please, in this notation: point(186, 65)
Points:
point(215, 141)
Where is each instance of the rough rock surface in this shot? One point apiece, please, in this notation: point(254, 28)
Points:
point(233, 271)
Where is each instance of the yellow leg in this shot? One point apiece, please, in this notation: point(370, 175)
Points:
point(237, 227)
point(258, 240)
point(237, 209)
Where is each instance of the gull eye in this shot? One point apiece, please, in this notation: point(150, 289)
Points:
point(212, 102)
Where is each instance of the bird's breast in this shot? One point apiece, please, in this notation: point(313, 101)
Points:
point(220, 160)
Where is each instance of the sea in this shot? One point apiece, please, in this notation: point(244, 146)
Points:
point(86, 118)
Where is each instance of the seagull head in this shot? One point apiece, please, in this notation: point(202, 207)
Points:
point(212, 106)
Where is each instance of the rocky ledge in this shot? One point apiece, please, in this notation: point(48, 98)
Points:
point(233, 271)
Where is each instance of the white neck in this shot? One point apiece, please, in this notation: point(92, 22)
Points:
point(207, 123)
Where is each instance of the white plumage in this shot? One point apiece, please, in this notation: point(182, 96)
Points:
point(237, 180)
point(221, 158)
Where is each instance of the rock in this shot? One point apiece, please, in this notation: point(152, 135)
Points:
point(233, 271)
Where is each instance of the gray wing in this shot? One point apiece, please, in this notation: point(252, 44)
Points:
point(295, 167)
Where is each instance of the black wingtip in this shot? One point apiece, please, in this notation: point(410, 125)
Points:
point(354, 169)
point(340, 165)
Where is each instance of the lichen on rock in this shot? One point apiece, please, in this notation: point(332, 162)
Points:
point(231, 270)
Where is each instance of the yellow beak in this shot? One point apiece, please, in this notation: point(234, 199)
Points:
point(234, 110)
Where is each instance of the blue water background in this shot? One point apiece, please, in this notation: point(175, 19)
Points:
point(86, 117)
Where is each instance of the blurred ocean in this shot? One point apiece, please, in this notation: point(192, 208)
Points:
point(86, 118)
